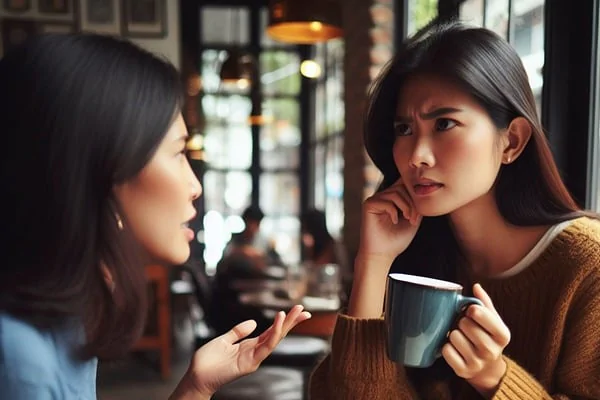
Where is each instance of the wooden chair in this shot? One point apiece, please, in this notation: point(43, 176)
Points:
point(158, 278)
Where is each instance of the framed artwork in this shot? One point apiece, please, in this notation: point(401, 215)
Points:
point(100, 16)
point(144, 18)
point(17, 5)
point(16, 31)
point(55, 27)
point(54, 6)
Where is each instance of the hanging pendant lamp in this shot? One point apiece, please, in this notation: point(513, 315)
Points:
point(237, 69)
point(304, 21)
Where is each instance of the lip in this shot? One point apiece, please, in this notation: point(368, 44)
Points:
point(426, 186)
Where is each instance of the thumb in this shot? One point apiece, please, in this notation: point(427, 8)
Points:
point(239, 331)
point(483, 296)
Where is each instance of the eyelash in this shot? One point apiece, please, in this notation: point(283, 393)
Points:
point(437, 121)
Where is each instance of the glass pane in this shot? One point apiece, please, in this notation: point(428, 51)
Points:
point(226, 110)
point(280, 72)
point(225, 25)
point(320, 128)
point(420, 13)
point(319, 176)
point(496, 17)
point(284, 233)
point(265, 40)
point(279, 194)
point(228, 192)
point(528, 39)
point(280, 140)
point(471, 12)
point(228, 147)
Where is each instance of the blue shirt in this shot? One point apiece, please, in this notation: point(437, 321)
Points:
point(41, 365)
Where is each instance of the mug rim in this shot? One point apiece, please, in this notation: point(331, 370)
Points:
point(433, 283)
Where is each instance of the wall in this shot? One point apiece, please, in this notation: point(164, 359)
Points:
point(168, 46)
point(368, 41)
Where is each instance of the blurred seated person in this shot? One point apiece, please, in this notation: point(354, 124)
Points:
point(246, 256)
point(320, 248)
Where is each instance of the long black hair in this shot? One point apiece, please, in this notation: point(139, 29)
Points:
point(80, 113)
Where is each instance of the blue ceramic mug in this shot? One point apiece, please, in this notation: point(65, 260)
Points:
point(419, 313)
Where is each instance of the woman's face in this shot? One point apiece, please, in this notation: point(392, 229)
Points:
point(158, 203)
point(447, 149)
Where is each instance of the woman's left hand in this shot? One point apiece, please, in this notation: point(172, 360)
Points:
point(474, 350)
point(226, 358)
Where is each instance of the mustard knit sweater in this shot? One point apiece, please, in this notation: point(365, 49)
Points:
point(552, 309)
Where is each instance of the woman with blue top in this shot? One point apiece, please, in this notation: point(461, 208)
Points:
point(95, 185)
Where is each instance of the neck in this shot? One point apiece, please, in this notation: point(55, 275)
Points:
point(489, 243)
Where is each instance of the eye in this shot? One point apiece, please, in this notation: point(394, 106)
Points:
point(444, 124)
point(402, 129)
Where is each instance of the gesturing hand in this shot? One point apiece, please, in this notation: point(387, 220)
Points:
point(225, 358)
point(474, 350)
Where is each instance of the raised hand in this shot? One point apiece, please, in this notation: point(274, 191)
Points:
point(474, 350)
point(389, 222)
point(226, 358)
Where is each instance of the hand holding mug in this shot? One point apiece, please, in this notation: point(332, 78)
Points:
point(474, 350)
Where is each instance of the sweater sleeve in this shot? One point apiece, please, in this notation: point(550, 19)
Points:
point(358, 366)
point(577, 373)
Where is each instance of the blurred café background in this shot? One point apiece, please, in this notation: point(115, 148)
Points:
point(274, 104)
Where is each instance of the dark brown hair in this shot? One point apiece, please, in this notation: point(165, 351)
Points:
point(80, 114)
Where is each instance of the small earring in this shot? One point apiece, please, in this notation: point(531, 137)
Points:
point(508, 160)
point(119, 221)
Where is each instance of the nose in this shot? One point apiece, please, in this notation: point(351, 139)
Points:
point(422, 154)
point(196, 187)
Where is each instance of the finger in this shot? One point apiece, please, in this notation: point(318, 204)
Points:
point(291, 317)
point(463, 346)
point(491, 322)
point(381, 206)
point(271, 341)
point(454, 359)
point(406, 195)
point(484, 297)
point(399, 200)
point(485, 347)
point(239, 331)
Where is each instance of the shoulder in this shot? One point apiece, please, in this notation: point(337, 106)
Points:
point(581, 241)
point(27, 354)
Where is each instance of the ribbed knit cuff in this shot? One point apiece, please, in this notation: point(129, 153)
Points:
point(518, 384)
point(358, 349)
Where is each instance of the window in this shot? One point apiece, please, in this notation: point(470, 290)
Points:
point(326, 148)
point(521, 22)
point(235, 177)
point(420, 13)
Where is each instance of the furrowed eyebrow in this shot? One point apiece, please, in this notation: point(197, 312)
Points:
point(438, 112)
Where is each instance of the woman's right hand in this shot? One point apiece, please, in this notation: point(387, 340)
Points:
point(389, 223)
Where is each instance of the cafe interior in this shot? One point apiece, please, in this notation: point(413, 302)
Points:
point(274, 104)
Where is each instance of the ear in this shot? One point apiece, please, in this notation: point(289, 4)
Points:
point(517, 136)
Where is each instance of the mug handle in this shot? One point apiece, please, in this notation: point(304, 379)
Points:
point(463, 302)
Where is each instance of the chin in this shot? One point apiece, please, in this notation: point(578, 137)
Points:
point(433, 210)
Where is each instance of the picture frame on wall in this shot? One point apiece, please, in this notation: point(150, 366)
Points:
point(17, 5)
point(144, 18)
point(54, 6)
point(100, 16)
